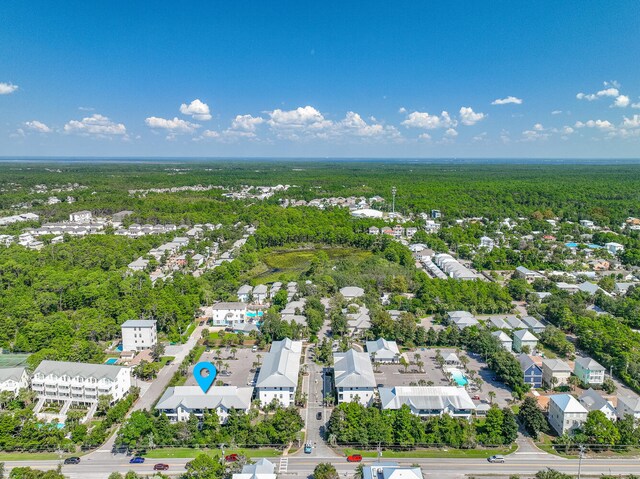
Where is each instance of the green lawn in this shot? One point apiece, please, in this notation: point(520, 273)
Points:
point(164, 360)
point(33, 456)
point(428, 453)
point(186, 452)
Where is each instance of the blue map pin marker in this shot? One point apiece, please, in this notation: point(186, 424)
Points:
point(205, 382)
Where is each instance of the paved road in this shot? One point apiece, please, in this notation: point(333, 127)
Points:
point(302, 466)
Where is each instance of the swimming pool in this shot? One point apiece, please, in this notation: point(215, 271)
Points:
point(111, 361)
point(458, 376)
point(253, 314)
point(571, 245)
point(590, 245)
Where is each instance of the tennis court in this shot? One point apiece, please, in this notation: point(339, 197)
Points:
point(12, 360)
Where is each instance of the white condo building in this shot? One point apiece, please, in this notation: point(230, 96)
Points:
point(354, 377)
point(427, 401)
point(225, 314)
point(139, 334)
point(278, 378)
point(179, 402)
point(80, 382)
point(13, 379)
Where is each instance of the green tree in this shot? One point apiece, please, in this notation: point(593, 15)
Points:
point(532, 417)
point(325, 470)
point(600, 430)
point(203, 467)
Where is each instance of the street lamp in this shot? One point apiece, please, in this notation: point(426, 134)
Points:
point(581, 449)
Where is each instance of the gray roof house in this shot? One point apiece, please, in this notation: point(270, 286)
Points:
point(179, 402)
point(428, 401)
point(593, 401)
point(261, 469)
point(278, 377)
point(352, 292)
point(533, 324)
point(354, 378)
point(384, 351)
point(390, 470)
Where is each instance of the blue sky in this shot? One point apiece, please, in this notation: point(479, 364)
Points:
point(297, 78)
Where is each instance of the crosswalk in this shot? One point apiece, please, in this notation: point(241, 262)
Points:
point(284, 465)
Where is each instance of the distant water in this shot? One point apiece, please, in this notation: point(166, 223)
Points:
point(408, 161)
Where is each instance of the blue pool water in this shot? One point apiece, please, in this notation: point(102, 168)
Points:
point(575, 245)
point(458, 377)
point(253, 314)
point(111, 361)
point(119, 347)
point(571, 245)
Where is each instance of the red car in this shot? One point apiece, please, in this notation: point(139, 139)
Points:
point(231, 458)
point(354, 458)
point(476, 398)
point(161, 467)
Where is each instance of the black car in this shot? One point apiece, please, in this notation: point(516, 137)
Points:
point(72, 460)
point(319, 416)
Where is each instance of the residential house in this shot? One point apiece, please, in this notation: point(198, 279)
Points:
point(589, 371)
point(13, 379)
point(139, 265)
point(354, 378)
point(226, 313)
point(435, 214)
point(462, 319)
point(425, 401)
point(383, 351)
point(622, 288)
point(452, 359)
point(628, 406)
point(410, 231)
point(139, 334)
point(180, 402)
point(261, 469)
point(531, 371)
point(360, 321)
point(504, 339)
point(390, 470)
point(374, 230)
point(80, 217)
point(80, 383)
point(565, 413)
point(593, 401)
point(244, 293)
point(487, 243)
point(555, 372)
point(533, 324)
point(260, 293)
point(278, 377)
point(614, 248)
point(515, 323)
point(351, 292)
point(527, 274)
point(498, 323)
point(522, 338)
point(275, 287)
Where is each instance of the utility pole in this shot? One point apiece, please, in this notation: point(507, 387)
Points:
point(581, 448)
point(393, 204)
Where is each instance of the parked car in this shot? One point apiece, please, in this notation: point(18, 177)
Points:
point(496, 459)
point(476, 397)
point(307, 448)
point(231, 458)
point(161, 467)
point(136, 460)
point(72, 460)
point(354, 458)
point(254, 349)
point(319, 416)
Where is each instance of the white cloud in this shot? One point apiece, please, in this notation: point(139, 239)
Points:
point(425, 136)
point(538, 127)
point(86, 108)
point(533, 135)
point(37, 126)
point(607, 92)
point(96, 125)
point(353, 124)
point(622, 101)
point(402, 110)
point(7, 88)
point(567, 130)
point(424, 120)
point(507, 100)
point(633, 122)
point(469, 117)
point(302, 118)
point(246, 122)
point(556, 112)
point(635, 105)
point(451, 133)
point(604, 125)
point(481, 137)
point(196, 109)
point(174, 126)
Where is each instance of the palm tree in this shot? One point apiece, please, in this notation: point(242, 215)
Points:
point(430, 383)
point(464, 360)
point(258, 357)
point(574, 381)
point(420, 365)
point(404, 363)
point(218, 353)
point(416, 357)
point(479, 382)
point(234, 351)
point(492, 396)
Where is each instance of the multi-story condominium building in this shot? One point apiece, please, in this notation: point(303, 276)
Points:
point(354, 377)
point(278, 377)
point(139, 334)
point(226, 314)
point(589, 371)
point(427, 401)
point(566, 413)
point(80, 383)
point(180, 402)
point(13, 379)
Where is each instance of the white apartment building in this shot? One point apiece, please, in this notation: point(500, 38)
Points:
point(487, 243)
point(278, 377)
point(566, 413)
point(354, 378)
point(13, 379)
point(425, 401)
point(80, 382)
point(225, 314)
point(80, 217)
point(139, 334)
point(180, 402)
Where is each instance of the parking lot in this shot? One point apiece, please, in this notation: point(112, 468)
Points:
point(239, 368)
point(392, 375)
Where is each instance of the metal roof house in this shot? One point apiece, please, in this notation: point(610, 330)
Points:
point(354, 378)
point(179, 402)
point(383, 351)
point(278, 377)
point(428, 401)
